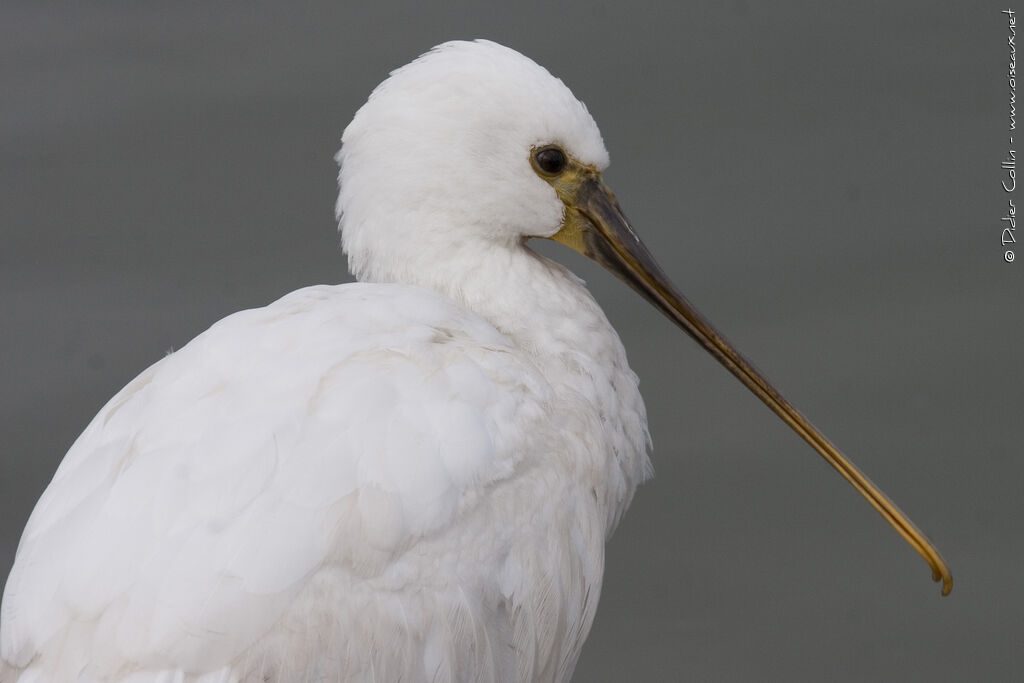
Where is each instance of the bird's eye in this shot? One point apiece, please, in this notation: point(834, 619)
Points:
point(550, 160)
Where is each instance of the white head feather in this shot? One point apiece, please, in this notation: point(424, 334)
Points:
point(437, 162)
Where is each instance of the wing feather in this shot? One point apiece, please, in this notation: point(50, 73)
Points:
point(339, 424)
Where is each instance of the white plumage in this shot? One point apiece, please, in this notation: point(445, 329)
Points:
point(411, 480)
point(406, 479)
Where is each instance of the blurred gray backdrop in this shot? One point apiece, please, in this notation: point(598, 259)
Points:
point(822, 180)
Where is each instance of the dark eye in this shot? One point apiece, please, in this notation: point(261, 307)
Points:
point(551, 160)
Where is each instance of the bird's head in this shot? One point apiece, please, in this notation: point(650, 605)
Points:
point(470, 147)
point(471, 142)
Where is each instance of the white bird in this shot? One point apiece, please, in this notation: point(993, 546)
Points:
point(408, 478)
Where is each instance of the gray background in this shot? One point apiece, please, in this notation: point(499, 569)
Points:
point(822, 181)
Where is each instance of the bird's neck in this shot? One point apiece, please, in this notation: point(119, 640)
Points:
point(538, 304)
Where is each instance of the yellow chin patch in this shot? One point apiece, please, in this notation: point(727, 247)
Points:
point(571, 232)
